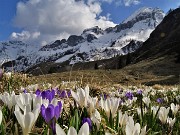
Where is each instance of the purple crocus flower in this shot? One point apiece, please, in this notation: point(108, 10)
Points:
point(24, 91)
point(104, 96)
point(48, 95)
point(58, 92)
point(88, 120)
point(43, 94)
point(63, 94)
point(159, 100)
point(51, 114)
point(69, 93)
point(139, 92)
point(48, 113)
point(51, 95)
point(38, 92)
point(129, 95)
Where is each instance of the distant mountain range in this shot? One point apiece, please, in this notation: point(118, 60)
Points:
point(92, 45)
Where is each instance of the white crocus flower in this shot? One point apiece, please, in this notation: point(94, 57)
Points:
point(134, 99)
point(92, 104)
point(174, 108)
point(163, 114)
point(171, 121)
point(134, 129)
point(178, 98)
point(8, 75)
point(110, 105)
point(131, 128)
point(84, 130)
point(96, 118)
point(39, 100)
point(24, 99)
point(139, 110)
point(1, 115)
point(146, 100)
point(143, 131)
point(81, 96)
point(9, 99)
point(123, 118)
point(154, 109)
point(166, 99)
point(32, 87)
point(28, 118)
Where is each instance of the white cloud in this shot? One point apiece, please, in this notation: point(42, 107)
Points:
point(25, 35)
point(44, 21)
point(131, 2)
point(122, 2)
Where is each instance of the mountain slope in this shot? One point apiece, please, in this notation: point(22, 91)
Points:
point(160, 54)
point(164, 39)
point(96, 44)
point(12, 50)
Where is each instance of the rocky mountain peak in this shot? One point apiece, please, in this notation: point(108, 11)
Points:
point(146, 13)
point(94, 30)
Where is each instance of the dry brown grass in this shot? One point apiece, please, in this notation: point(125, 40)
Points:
point(155, 71)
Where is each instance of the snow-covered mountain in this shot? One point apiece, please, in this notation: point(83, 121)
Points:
point(13, 50)
point(93, 44)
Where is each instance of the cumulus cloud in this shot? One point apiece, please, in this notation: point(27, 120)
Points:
point(44, 21)
point(25, 35)
point(131, 2)
point(123, 2)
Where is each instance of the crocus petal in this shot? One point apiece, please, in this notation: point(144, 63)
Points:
point(49, 113)
point(115, 106)
point(88, 120)
point(20, 118)
point(96, 118)
point(1, 116)
point(59, 130)
point(27, 109)
point(86, 92)
point(143, 131)
point(37, 100)
point(84, 130)
point(38, 92)
point(57, 112)
point(82, 101)
point(36, 112)
point(137, 128)
point(17, 108)
point(43, 110)
point(43, 94)
point(54, 101)
point(28, 122)
point(74, 95)
point(72, 131)
point(128, 130)
point(131, 121)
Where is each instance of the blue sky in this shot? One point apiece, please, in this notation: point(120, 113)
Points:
point(43, 21)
